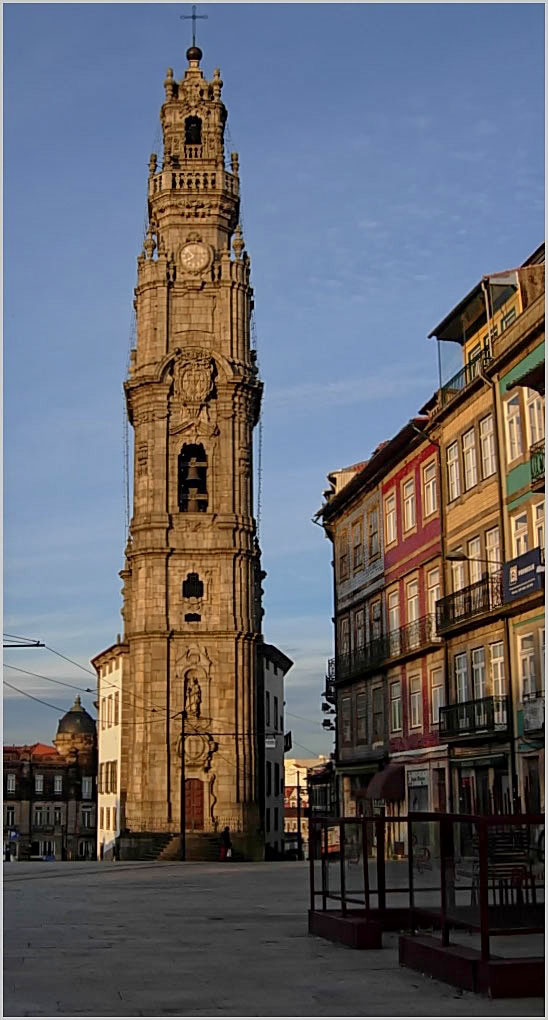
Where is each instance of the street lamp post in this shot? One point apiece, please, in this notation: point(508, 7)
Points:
point(182, 792)
point(299, 829)
point(457, 557)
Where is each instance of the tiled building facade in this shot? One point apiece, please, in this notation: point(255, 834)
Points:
point(439, 665)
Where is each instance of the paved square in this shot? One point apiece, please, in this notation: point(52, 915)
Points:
point(198, 940)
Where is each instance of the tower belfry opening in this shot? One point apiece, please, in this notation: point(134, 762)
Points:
point(192, 479)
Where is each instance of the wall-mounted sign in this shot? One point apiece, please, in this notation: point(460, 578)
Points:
point(533, 714)
point(418, 777)
point(521, 576)
point(288, 742)
point(270, 742)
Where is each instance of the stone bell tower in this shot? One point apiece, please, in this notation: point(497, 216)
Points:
point(193, 398)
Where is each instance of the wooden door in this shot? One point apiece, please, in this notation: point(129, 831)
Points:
point(194, 799)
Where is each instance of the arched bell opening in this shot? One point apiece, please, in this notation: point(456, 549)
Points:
point(193, 131)
point(192, 479)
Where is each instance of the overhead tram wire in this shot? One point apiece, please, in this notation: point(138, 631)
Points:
point(58, 708)
point(73, 661)
point(22, 642)
point(87, 690)
point(39, 676)
point(107, 683)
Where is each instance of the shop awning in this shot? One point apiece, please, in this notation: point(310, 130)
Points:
point(388, 784)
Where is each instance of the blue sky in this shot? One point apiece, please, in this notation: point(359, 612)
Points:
point(390, 155)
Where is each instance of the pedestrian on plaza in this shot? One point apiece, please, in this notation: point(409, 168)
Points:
point(226, 844)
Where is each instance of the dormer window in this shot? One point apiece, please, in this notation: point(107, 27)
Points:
point(193, 131)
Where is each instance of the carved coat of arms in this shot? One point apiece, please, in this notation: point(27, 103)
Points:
point(192, 408)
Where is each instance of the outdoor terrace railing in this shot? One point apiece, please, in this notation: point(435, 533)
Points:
point(463, 378)
point(483, 715)
point(474, 600)
point(480, 874)
point(536, 457)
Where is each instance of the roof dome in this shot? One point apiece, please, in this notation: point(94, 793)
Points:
point(77, 720)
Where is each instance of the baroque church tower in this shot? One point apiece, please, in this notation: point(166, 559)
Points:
point(191, 598)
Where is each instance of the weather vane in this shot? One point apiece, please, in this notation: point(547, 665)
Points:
point(193, 18)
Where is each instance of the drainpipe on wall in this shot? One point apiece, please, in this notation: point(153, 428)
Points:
point(500, 490)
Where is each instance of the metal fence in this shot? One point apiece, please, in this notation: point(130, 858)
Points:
point(449, 872)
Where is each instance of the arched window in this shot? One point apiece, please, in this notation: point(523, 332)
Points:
point(193, 131)
point(193, 588)
point(192, 479)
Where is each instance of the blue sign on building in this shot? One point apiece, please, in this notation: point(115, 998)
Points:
point(522, 576)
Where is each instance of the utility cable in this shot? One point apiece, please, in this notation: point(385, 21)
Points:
point(61, 656)
point(86, 690)
point(313, 722)
point(58, 708)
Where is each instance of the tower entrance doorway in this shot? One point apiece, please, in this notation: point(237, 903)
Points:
point(194, 804)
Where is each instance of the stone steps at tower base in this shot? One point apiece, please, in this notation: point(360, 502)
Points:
point(200, 846)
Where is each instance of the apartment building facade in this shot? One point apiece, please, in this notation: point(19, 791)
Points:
point(438, 671)
point(50, 793)
point(272, 668)
point(388, 666)
point(492, 626)
point(413, 585)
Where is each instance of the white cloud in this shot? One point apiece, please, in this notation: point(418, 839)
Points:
point(344, 391)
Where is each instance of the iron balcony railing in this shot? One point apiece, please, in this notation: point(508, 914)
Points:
point(474, 600)
point(462, 379)
point(397, 643)
point(533, 711)
point(536, 457)
point(483, 715)
point(411, 636)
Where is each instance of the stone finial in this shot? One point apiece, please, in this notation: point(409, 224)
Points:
point(234, 163)
point(169, 84)
point(152, 163)
point(217, 83)
point(149, 247)
point(238, 242)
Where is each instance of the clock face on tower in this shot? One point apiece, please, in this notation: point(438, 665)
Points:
point(194, 257)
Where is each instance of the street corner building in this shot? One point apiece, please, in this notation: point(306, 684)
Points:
point(179, 691)
point(50, 793)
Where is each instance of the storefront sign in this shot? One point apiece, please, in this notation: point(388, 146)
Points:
point(418, 778)
point(533, 714)
point(521, 576)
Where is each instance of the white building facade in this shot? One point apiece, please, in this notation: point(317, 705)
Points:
point(110, 821)
point(275, 665)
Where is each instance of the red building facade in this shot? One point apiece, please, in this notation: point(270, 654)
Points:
point(412, 586)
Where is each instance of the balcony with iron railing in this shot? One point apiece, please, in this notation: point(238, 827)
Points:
point(533, 711)
point(463, 378)
point(474, 600)
point(396, 644)
point(480, 717)
point(536, 460)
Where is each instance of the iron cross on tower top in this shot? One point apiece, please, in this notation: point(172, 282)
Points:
point(193, 18)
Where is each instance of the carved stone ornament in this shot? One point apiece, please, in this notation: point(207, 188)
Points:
point(199, 750)
point(193, 408)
